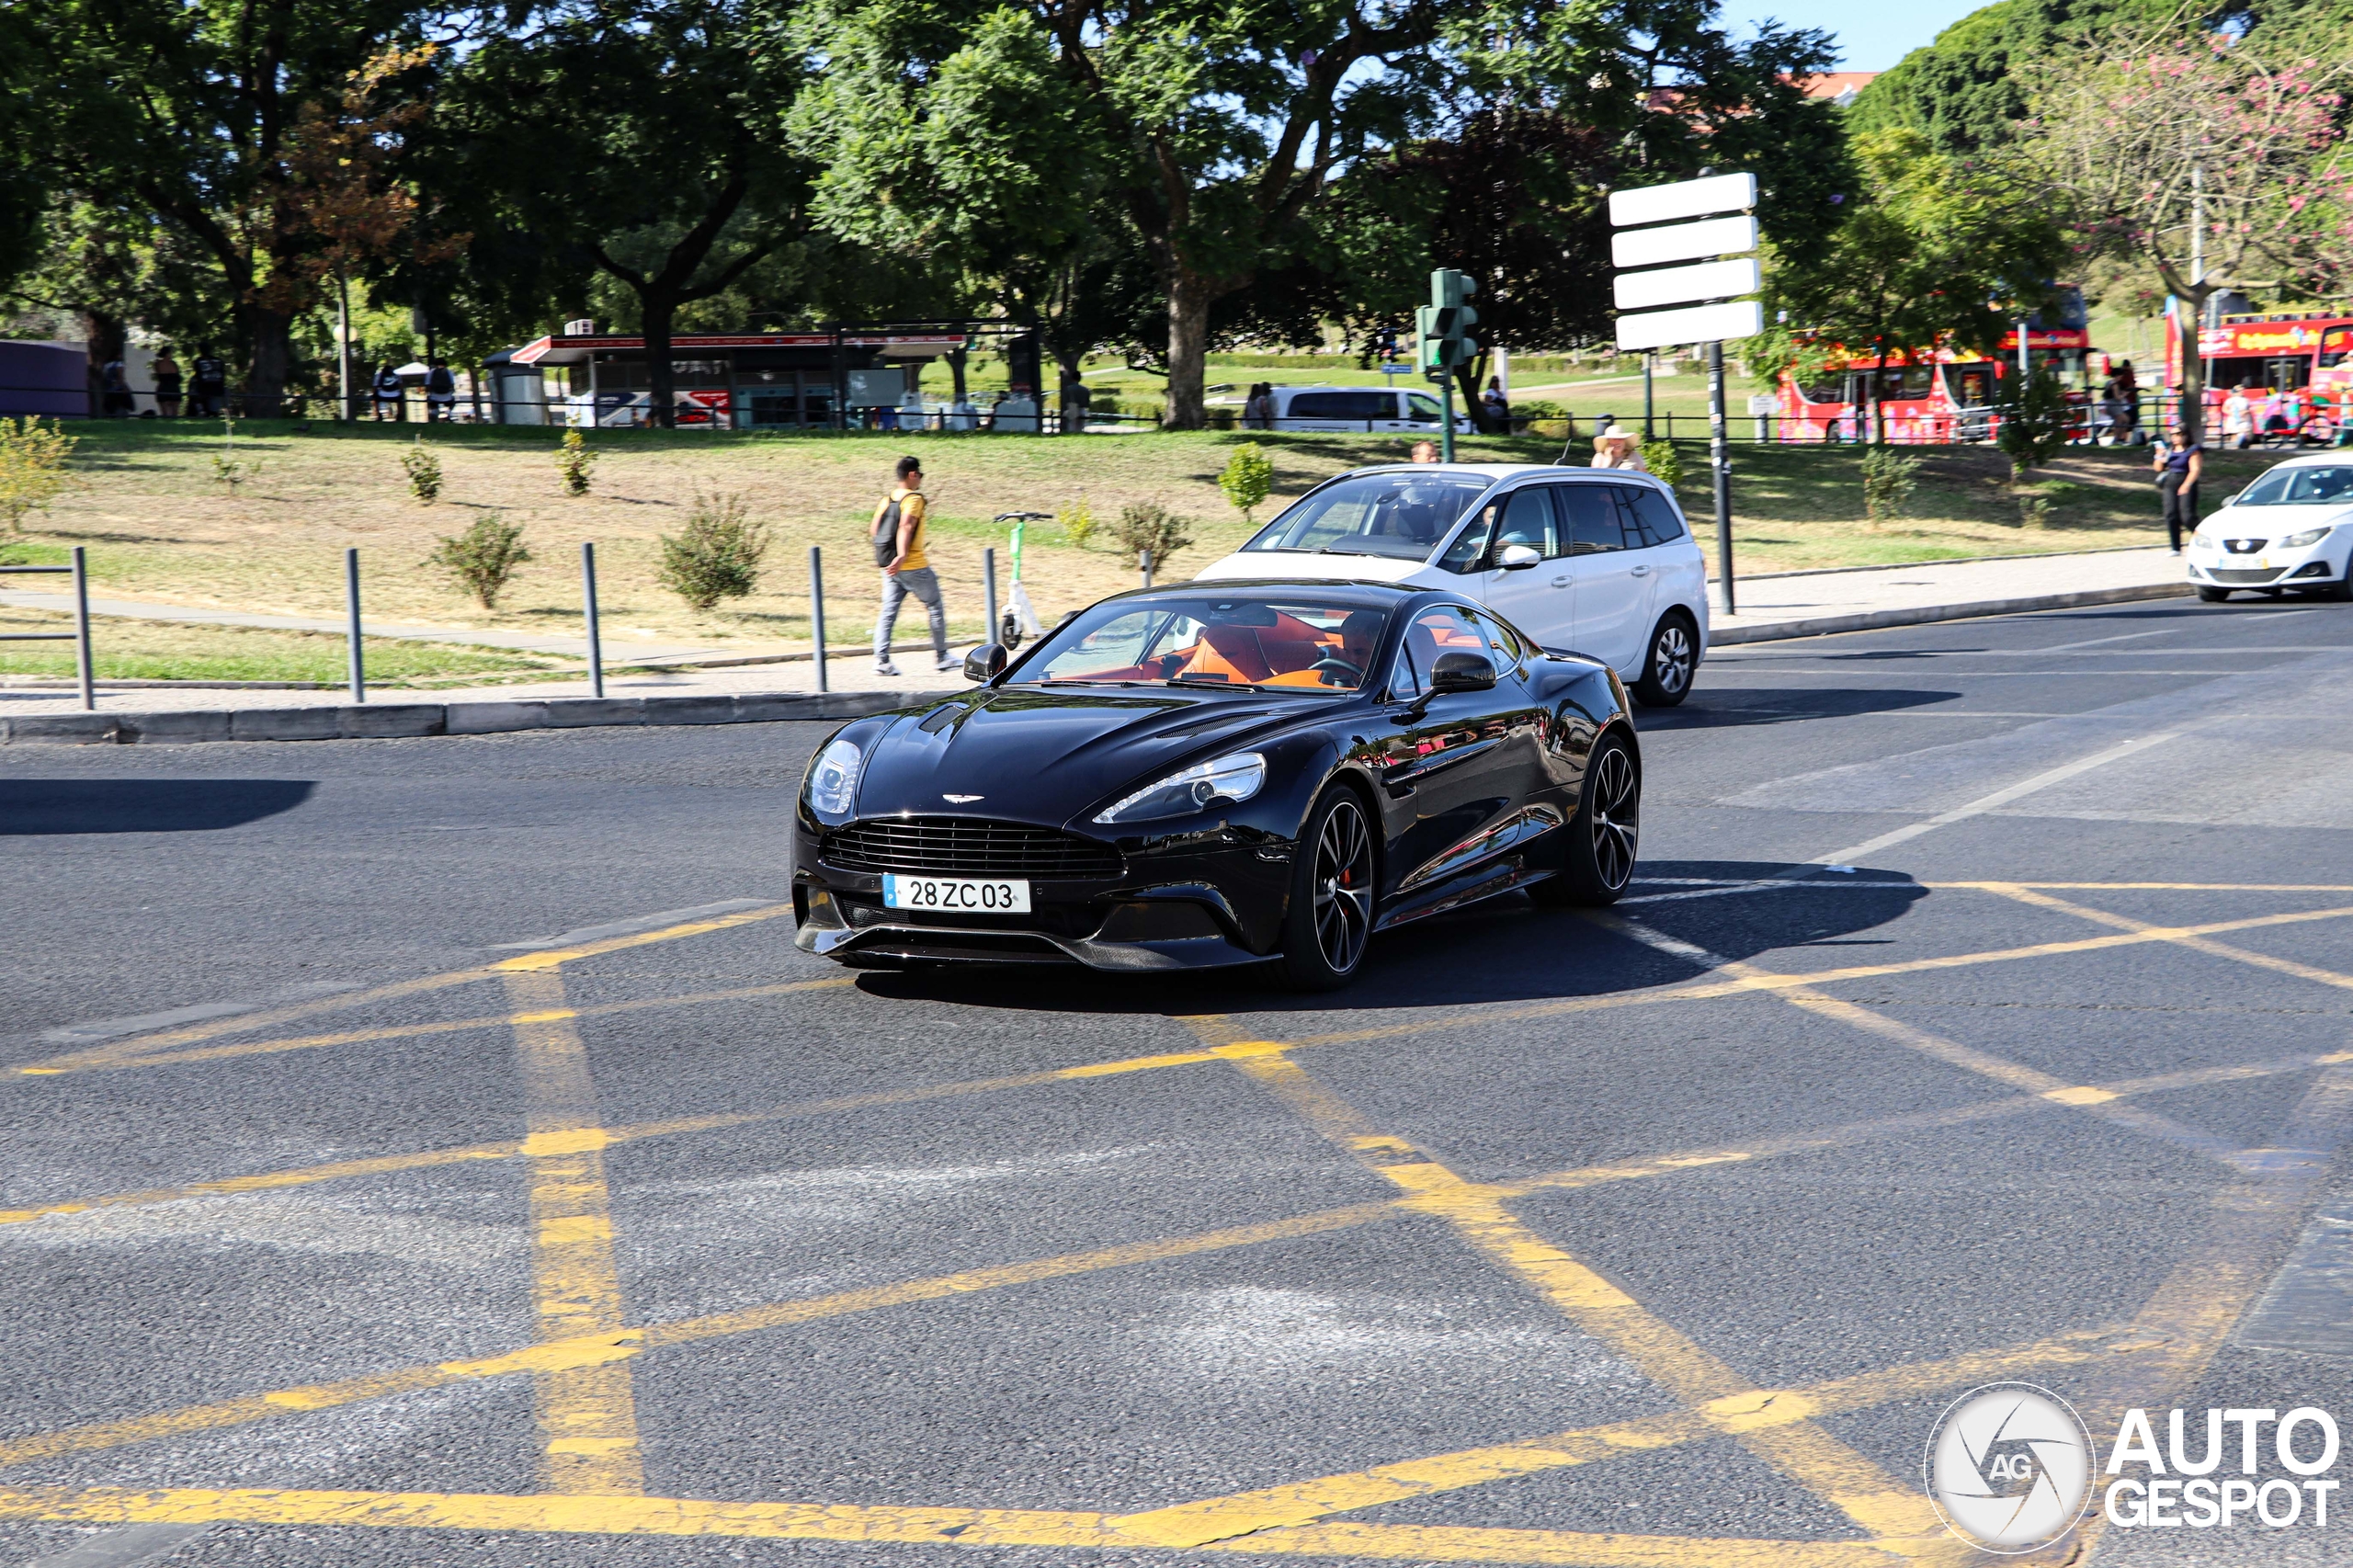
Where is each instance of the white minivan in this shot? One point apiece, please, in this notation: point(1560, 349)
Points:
point(1389, 409)
point(1597, 561)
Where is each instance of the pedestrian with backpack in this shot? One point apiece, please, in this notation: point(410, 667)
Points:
point(896, 534)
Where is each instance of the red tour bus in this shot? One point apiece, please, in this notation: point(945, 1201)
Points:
point(2295, 370)
point(1932, 397)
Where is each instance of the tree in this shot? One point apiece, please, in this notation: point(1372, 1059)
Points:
point(1963, 92)
point(644, 139)
point(184, 114)
point(2213, 165)
point(1937, 252)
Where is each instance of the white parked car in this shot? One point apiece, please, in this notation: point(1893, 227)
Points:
point(1597, 561)
point(2292, 528)
point(1361, 408)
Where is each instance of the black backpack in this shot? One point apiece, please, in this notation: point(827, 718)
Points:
point(886, 533)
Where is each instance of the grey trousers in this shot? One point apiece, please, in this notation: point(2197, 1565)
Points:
point(922, 583)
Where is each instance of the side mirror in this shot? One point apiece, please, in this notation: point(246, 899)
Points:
point(1464, 672)
point(985, 663)
point(1518, 558)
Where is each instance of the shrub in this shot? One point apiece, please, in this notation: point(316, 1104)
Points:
point(1888, 479)
point(2034, 509)
point(1663, 460)
point(1146, 526)
point(483, 558)
point(1077, 520)
point(2034, 420)
point(424, 471)
point(717, 555)
point(1248, 479)
point(573, 461)
point(32, 467)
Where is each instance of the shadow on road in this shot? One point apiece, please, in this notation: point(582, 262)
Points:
point(30, 806)
point(1727, 708)
point(1506, 950)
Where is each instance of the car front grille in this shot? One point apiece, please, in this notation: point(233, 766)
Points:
point(962, 847)
point(2247, 575)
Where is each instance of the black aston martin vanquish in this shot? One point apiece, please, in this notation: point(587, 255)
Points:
point(1221, 773)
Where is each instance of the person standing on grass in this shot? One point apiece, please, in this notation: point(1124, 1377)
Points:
point(896, 533)
point(440, 392)
point(211, 386)
point(2238, 419)
point(2177, 464)
point(392, 393)
point(166, 371)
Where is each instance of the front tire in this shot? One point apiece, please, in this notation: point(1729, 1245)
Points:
point(1668, 663)
point(1597, 861)
point(1329, 921)
point(2212, 595)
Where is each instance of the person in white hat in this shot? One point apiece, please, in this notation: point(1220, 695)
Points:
point(1614, 448)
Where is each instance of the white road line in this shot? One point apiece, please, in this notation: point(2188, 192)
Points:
point(132, 1546)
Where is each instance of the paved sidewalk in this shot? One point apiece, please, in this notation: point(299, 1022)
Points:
point(1796, 605)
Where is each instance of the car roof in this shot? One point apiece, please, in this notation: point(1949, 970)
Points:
point(2312, 460)
point(1495, 473)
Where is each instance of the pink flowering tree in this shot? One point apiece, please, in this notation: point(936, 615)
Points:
point(2215, 163)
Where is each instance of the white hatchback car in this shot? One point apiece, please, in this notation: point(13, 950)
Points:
point(2292, 528)
point(1592, 561)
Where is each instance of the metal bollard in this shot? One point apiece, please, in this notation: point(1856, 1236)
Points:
point(988, 579)
point(1144, 560)
point(588, 603)
point(817, 613)
point(351, 603)
point(82, 628)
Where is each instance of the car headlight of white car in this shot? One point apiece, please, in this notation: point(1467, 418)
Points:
point(833, 781)
point(2308, 536)
point(1233, 778)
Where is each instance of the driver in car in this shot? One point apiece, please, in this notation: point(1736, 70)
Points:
point(1358, 634)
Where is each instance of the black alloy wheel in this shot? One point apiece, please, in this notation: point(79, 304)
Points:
point(1665, 679)
point(1600, 841)
point(1330, 918)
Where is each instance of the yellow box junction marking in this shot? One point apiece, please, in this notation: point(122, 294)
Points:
point(588, 1411)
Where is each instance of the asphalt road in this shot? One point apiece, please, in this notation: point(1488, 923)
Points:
point(1978, 1017)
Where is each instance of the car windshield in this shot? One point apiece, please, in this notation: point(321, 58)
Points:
point(2315, 487)
point(1237, 639)
point(1398, 514)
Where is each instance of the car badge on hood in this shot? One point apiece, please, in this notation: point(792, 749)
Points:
point(961, 800)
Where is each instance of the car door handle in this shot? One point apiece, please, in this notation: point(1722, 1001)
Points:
point(1560, 582)
point(1638, 571)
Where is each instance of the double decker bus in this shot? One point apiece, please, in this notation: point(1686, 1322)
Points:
point(1932, 396)
point(2296, 369)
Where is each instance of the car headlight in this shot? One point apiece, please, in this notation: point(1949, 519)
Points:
point(2201, 541)
point(1231, 779)
point(2309, 536)
point(833, 782)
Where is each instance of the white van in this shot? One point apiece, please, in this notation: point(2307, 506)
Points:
point(1593, 561)
point(1400, 410)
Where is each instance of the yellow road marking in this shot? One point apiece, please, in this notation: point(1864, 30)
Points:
point(1838, 1475)
point(2154, 887)
point(2025, 893)
point(630, 1514)
point(246, 1023)
point(587, 1412)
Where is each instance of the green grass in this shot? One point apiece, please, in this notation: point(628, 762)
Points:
point(143, 650)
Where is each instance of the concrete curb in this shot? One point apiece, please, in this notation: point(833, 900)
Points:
point(404, 720)
point(1920, 615)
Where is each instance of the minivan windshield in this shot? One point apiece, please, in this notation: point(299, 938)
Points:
point(2317, 485)
point(1402, 514)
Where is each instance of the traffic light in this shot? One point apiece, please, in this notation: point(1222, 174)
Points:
point(1442, 326)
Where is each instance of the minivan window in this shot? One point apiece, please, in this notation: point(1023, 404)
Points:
point(1395, 514)
point(1592, 515)
point(1527, 519)
point(1653, 512)
point(1343, 405)
point(1426, 407)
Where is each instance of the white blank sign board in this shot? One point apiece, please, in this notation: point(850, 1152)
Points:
point(1677, 285)
point(1683, 242)
point(1684, 198)
point(1699, 324)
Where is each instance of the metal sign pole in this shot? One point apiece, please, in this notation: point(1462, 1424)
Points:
point(988, 582)
point(82, 628)
point(817, 612)
point(1720, 459)
point(1446, 418)
point(589, 604)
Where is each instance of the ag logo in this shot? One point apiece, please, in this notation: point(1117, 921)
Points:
point(2009, 1467)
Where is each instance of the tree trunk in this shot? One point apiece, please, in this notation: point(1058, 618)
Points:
point(956, 372)
point(271, 332)
point(2192, 412)
point(660, 312)
point(107, 336)
point(1188, 337)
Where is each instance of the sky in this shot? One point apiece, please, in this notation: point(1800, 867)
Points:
point(1872, 34)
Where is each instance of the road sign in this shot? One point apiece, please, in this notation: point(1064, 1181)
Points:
point(1696, 324)
point(1683, 242)
point(1675, 285)
point(1685, 198)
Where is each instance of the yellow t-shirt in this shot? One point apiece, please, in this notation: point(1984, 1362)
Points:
point(911, 511)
